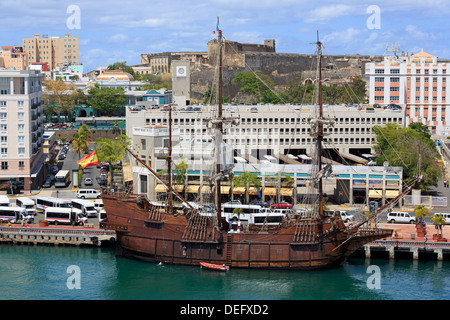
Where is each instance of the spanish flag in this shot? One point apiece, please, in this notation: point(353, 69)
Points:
point(90, 160)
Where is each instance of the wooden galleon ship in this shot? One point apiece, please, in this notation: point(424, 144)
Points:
point(313, 239)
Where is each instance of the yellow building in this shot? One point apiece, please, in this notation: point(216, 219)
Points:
point(13, 58)
point(55, 51)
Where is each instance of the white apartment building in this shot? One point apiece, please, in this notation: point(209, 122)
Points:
point(417, 83)
point(21, 128)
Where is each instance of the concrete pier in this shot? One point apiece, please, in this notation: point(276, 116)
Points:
point(57, 236)
point(393, 248)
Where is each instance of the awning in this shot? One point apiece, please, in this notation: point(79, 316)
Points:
point(178, 187)
point(192, 189)
point(286, 192)
point(225, 189)
point(160, 188)
point(253, 191)
point(375, 193)
point(239, 190)
point(270, 191)
point(392, 193)
point(205, 189)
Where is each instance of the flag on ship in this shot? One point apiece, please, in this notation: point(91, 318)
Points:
point(90, 160)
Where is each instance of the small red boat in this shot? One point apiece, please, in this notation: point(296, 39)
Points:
point(217, 267)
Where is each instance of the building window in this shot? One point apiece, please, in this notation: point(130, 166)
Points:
point(21, 150)
point(379, 71)
point(21, 164)
point(395, 79)
point(4, 151)
point(395, 71)
point(4, 165)
point(378, 79)
point(4, 139)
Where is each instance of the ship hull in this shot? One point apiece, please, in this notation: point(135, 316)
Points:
point(168, 239)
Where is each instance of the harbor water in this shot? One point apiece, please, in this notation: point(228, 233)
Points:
point(79, 273)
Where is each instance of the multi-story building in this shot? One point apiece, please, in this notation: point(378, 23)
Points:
point(21, 128)
point(417, 83)
point(55, 51)
point(13, 58)
point(273, 129)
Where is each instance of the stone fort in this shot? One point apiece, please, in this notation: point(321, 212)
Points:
point(261, 58)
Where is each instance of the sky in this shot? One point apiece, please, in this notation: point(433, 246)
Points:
point(113, 30)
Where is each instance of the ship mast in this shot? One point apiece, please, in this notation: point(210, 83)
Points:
point(319, 139)
point(219, 131)
point(169, 162)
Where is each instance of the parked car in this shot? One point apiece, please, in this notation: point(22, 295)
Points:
point(347, 217)
point(260, 203)
point(62, 156)
point(88, 182)
point(282, 205)
point(376, 105)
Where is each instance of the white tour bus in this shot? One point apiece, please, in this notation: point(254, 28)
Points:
point(13, 214)
point(43, 203)
point(98, 205)
point(65, 215)
point(4, 201)
point(252, 214)
point(62, 179)
point(27, 204)
point(87, 207)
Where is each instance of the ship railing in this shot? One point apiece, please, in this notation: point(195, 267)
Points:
point(32, 230)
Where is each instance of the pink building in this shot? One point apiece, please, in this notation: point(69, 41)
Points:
point(417, 83)
point(13, 58)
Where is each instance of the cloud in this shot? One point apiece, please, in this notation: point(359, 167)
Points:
point(119, 37)
point(327, 13)
point(418, 34)
point(342, 37)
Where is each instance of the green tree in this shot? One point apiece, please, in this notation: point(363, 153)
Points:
point(420, 212)
point(107, 100)
point(181, 169)
point(260, 85)
point(81, 140)
point(439, 222)
point(246, 180)
point(111, 151)
point(59, 97)
point(122, 66)
point(400, 148)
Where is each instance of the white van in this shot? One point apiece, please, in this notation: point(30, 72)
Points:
point(88, 194)
point(87, 207)
point(400, 217)
point(27, 204)
point(446, 217)
point(65, 215)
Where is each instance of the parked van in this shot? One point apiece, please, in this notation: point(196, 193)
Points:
point(401, 217)
point(87, 207)
point(88, 194)
point(65, 215)
point(27, 204)
point(446, 217)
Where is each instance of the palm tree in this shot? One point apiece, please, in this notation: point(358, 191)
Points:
point(81, 140)
point(438, 221)
point(421, 212)
point(247, 180)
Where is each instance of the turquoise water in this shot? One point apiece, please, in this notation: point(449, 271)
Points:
point(41, 273)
